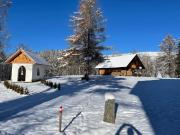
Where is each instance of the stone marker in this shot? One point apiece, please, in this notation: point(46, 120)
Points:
point(109, 110)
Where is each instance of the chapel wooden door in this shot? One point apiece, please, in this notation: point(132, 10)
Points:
point(21, 73)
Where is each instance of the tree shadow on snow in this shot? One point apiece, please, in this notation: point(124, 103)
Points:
point(131, 130)
point(161, 102)
point(109, 84)
point(10, 109)
point(75, 117)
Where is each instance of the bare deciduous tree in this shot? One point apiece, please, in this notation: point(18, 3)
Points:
point(167, 61)
point(24, 46)
point(178, 60)
point(149, 66)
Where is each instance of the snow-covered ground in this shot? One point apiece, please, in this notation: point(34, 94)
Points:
point(145, 106)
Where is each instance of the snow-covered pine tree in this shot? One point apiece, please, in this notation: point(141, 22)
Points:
point(167, 60)
point(4, 5)
point(178, 60)
point(88, 26)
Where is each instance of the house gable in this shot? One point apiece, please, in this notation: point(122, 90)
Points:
point(136, 63)
point(20, 57)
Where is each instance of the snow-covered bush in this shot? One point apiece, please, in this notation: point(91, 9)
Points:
point(16, 88)
point(51, 84)
point(59, 86)
point(54, 85)
point(43, 81)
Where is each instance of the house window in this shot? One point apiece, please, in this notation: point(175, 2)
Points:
point(38, 72)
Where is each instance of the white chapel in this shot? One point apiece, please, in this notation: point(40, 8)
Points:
point(27, 66)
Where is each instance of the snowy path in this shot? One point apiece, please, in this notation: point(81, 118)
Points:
point(83, 104)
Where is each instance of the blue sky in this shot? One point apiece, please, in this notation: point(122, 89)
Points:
point(131, 24)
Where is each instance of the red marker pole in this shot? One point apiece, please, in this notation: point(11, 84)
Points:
point(60, 117)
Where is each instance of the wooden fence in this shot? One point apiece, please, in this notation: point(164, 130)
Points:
point(5, 71)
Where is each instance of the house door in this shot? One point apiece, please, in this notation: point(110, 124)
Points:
point(21, 73)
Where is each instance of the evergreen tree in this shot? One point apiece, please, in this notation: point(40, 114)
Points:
point(4, 5)
point(166, 61)
point(178, 60)
point(2, 54)
point(88, 25)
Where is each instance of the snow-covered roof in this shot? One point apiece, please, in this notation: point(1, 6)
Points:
point(36, 58)
point(116, 61)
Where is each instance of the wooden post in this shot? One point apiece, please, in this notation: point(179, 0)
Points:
point(60, 118)
point(109, 110)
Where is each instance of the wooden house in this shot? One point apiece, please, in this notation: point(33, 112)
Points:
point(27, 66)
point(123, 65)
